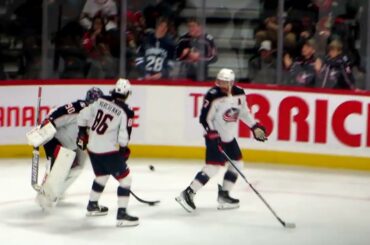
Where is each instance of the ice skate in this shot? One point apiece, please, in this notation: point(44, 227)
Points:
point(225, 201)
point(94, 209)
point(186, 200)
point(126, 220)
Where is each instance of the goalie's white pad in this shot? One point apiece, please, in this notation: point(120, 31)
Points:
point(54, 184)
point(40, 135)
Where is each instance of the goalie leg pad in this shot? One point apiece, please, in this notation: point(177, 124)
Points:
point(75, 171)
point(54, 184)
point(40, 135)
point(43, 201)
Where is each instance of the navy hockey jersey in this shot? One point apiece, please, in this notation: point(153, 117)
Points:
point(156, 55)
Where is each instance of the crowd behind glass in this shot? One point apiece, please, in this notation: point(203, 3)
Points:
point(178, 39)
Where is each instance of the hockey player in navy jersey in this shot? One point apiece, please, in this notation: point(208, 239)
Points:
point(65, 160)
point(223, 106)
point(109, 121)
point(155, 58)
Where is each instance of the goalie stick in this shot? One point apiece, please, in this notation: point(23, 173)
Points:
point(285, 224)
point(35, 152)
point(150, 203)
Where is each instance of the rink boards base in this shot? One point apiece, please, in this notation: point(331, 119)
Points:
point(255, 156)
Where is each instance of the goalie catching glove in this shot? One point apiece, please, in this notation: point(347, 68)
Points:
point(82, 138)
point(259, 132)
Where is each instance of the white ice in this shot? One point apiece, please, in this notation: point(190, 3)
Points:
point(327, 206)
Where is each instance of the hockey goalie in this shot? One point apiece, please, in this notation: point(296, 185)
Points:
point(57, 134)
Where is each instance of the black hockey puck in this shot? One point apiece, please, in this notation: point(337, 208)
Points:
point(151, 167)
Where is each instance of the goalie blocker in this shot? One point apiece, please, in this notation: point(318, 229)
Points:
point(54, 185)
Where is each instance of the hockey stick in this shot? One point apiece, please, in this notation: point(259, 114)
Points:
point(150, 203)
point(35, 152)
point(285, 224)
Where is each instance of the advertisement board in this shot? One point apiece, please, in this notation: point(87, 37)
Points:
point(167, 114)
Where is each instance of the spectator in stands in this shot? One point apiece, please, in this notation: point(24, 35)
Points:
point(32, 57)
point(136, 28)
point(170, 9)
point(104, 8)
point(307, 29)
point(337, 71)
point(303, 71)
point(95, 43)
point(262, 67)
point(26, 29)
point(346, 28)
point(195, 50)
point(155, 57)
point(69, 50)
point(300, 17)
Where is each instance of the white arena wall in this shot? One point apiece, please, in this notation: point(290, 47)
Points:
point(326, 128)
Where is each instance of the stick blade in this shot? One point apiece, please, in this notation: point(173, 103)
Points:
point(289, 225)
point(153, 203)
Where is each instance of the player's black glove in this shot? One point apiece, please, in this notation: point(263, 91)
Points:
point(82, 138)
point(213, 136)
point(125, 151)
point(259, 132)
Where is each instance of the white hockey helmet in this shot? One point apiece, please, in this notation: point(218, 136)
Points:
point(123, 88)
point(225, 77)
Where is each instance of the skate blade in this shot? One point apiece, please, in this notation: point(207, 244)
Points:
point(227, 206)
point(126, 223)
point(95, 213)
point(182, 202)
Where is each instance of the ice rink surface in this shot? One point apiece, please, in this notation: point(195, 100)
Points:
point(328, 207)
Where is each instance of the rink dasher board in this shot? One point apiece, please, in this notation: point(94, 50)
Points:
point(307, 125)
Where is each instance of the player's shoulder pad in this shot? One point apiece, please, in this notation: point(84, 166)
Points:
point(127, 109)
point(107, 97)
point(214, 93)
point(79, 105)
point(237, 90)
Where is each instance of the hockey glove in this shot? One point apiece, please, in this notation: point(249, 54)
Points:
point(213, 136)
point(125, 151)
point(259, 132)
point(82, 138)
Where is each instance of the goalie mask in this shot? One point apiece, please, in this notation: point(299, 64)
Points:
point(225, 79)
point(93, 94)
point(122, 89)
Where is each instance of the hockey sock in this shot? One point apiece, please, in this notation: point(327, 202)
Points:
point(231, 176)
point(229, 181)
point(203, 177)
point(123, 191)
point(98, 187)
